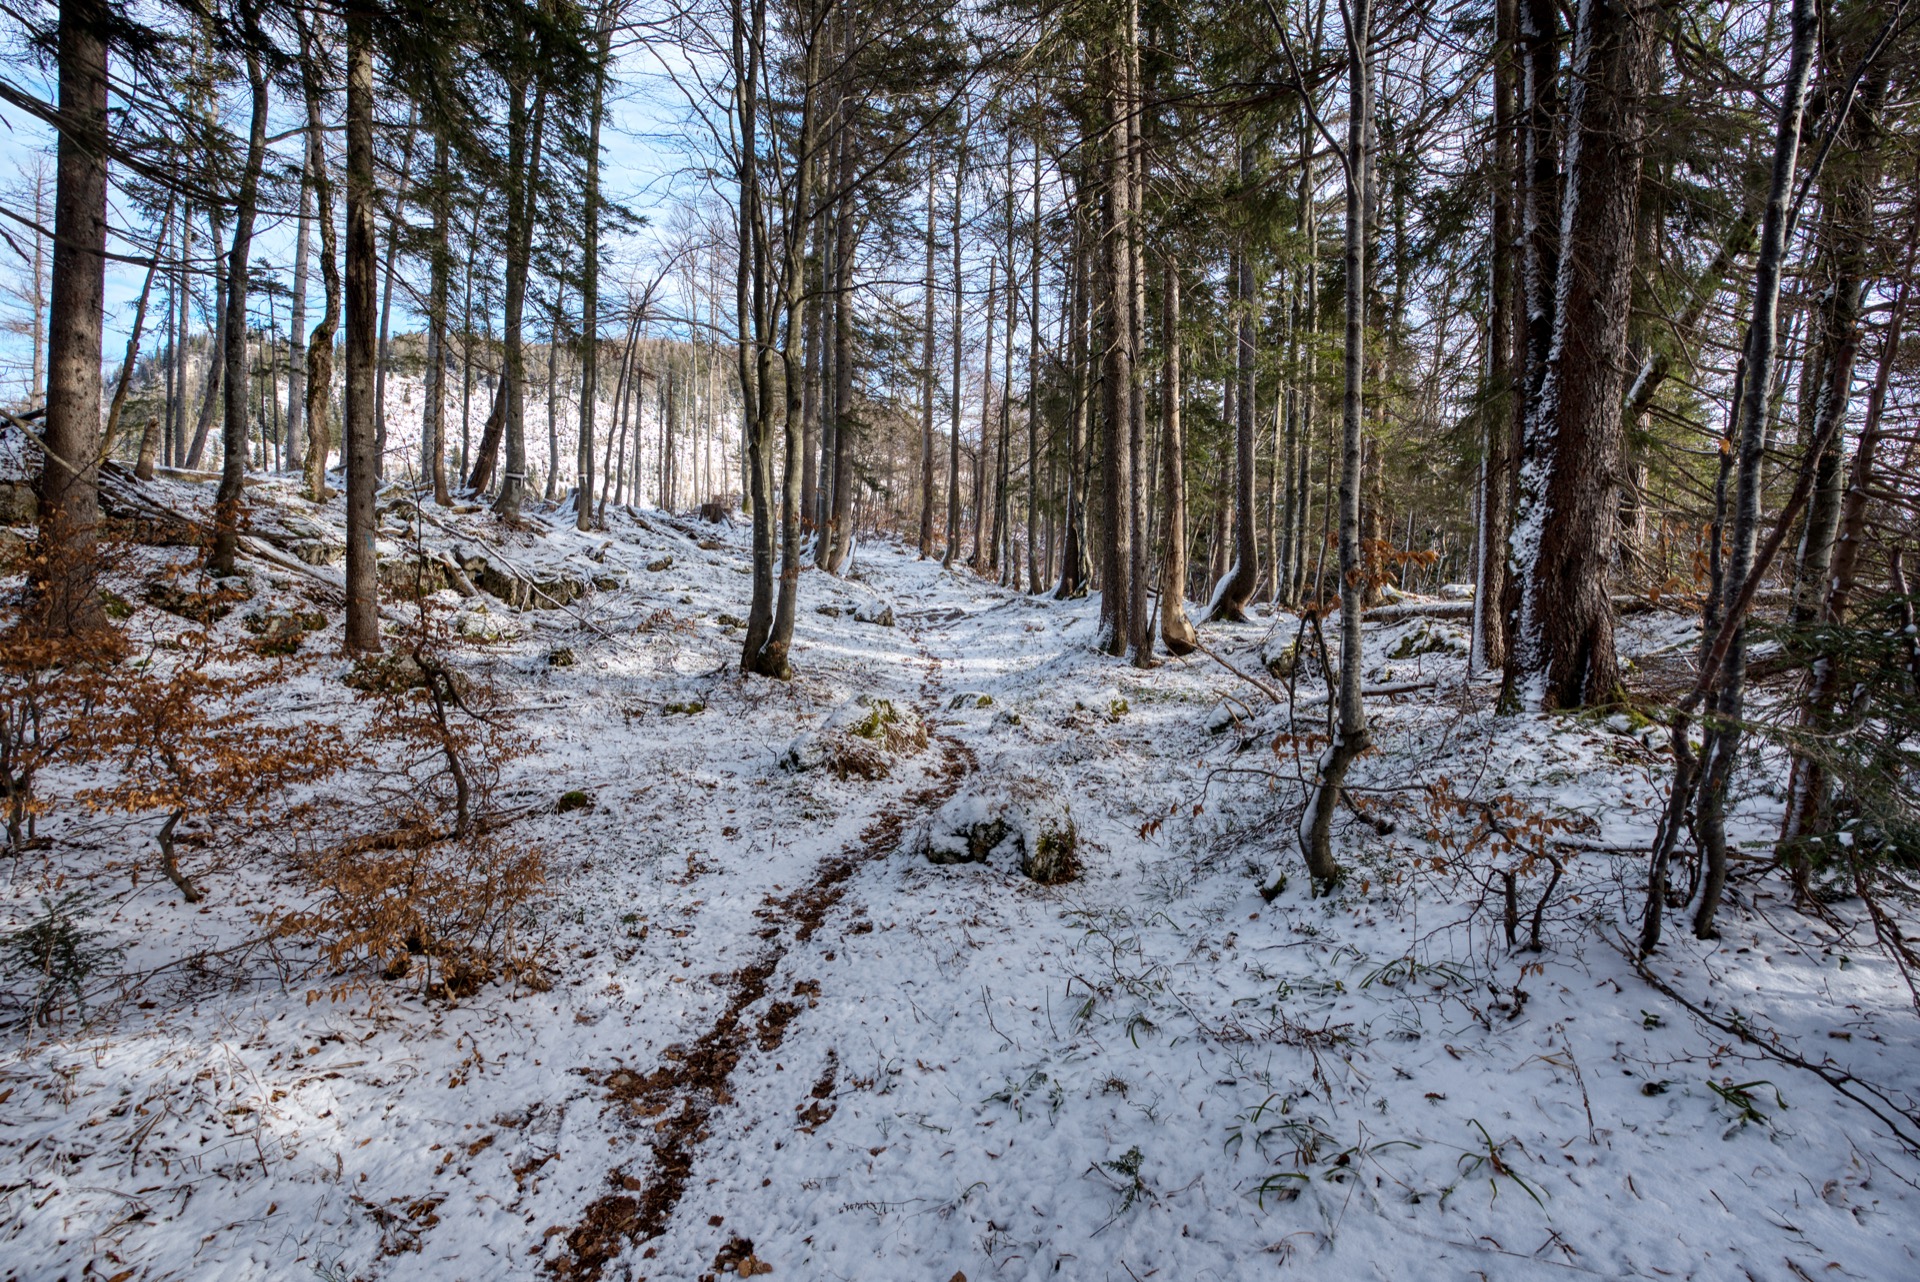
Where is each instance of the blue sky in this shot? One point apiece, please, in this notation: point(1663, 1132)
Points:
point(643, 149)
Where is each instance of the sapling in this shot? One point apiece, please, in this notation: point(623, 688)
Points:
point(190, 741)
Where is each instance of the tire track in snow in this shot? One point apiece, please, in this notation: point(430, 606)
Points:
point(697, 1083)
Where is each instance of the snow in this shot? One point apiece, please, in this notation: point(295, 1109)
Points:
point(1143, 1072)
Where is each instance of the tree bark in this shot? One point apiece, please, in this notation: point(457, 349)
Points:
point(1036, 572)
point(838, 536)
point(1175, 630)
point(433, 420)
point(110, 438)
point(399, 220)
point(926, 383)
point(590, 281)
point(233, 443)
point(1566, 507)
point(320, 343)
point(62, 581)
point(216, 359)
point(363, 586)
point(1139, 481)
point(1506, 358)
point(523, 180)
point(1236, 589)
point(1117, 377)
point(1352, 735)
point(959, 318)
point(297, 321)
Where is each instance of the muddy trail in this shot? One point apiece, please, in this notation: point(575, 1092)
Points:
point(679, 1100)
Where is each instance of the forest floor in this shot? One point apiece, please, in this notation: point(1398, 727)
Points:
point(775, 1037)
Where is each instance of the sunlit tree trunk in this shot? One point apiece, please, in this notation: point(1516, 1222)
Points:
point(63, 593)
point(363, 587)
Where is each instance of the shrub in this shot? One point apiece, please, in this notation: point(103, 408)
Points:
point(56, 953)
point(439, 893)
point(190, 741)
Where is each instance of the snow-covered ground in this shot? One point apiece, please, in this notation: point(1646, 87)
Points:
point(779, 1038)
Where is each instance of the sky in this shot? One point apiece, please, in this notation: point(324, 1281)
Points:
point(643, 154)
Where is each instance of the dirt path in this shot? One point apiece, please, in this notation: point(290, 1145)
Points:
point(678, 1100)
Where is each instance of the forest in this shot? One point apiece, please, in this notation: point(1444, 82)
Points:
point(1093, 639)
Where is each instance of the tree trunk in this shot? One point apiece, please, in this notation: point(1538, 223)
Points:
point(1139, 481)
point(775, 652)
point(523, 179)
point(959, 317)
point(839, 531)
point(1352, 735)
point(590, 281)
point(216, 360)
point(363, 586)
point(320, 343)
point(926, 384)
point(297, 321)
point(233, 441)
point(1175, 630)
point(62, 582)
point(1116, 404)
point(1506, 360)
point(1566, 508)
point(981, 511)
point(399, 220)
point(111, 436)
point(1036, 571)
point(1236, 589)
point(433, 414)
point(1726, 667)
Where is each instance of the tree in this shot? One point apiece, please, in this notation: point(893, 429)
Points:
point(1175, 631)
point(1566, 507)
point(363, 585)
point(62, 593)
point(1723, 662)
point(1352, 735)
point(1236, 588)
point(233, 442)
point(319, 376)
point(35, 192)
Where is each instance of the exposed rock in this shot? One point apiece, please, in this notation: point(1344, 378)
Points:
point(478, 624)
point(397, 670)
point(199, 600)
point(19, 505)
point(967, 830)
point(282, 631)
point(860, 740)
point(1282, 659)
point(318, 551)
point(1025, 825)
point(1052, 848)
point(412, 576)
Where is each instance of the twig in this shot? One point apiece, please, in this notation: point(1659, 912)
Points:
point(1259, 685)
point(1838, 1080)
